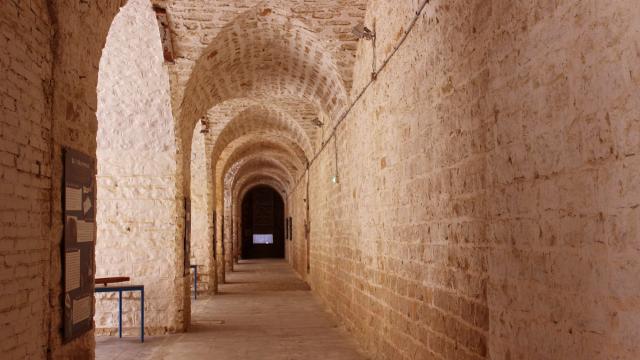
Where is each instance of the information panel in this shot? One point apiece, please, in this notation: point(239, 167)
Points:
point(215, 222)
point(79, 215)
point(187, 235)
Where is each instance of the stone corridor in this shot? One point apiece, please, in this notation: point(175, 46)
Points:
point(263, 312)
point(449, 179)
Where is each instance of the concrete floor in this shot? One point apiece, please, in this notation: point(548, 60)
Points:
point(264, 312)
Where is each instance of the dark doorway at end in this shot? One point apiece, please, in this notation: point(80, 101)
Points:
point(262, 224)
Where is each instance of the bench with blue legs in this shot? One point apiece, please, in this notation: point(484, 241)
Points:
point(120, 289)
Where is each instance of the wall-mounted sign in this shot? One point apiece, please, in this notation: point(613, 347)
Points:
point(287, 233)
point(79, 219)
point(215, 221)
point(222, 250)
point(187, 235)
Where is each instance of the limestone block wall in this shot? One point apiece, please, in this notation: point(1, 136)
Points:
point(227, 231)
point(25, 177)
point(216, 229)
point(236, 234)
point(220, 247)
point(236, 228)
point(48, 78)
point(213, 269)
point(397, 246)
point(563, 178)
point(488, 192)
point(295, 249)
point(140, 210)
point(79, 34)
point(201, 219)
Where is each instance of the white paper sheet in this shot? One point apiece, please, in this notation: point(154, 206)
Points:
point(73, 199)
point(81, 309)
point(86, 231)
point(86, 205)
point(72, 270)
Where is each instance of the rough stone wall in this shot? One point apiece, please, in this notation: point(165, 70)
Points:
point(296, 250)
point(236, 213)
point(201, 219)
point(213, 271)
point(220, 250)
point(25, 178)
point(564, 177)
point(80, 32)
point(140, 234)
point(228, 235)
point(397, 246)
point(487, 198)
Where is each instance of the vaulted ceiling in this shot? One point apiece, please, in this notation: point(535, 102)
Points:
point(264, 76)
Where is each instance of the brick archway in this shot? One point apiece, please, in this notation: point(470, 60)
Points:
point(138, 179)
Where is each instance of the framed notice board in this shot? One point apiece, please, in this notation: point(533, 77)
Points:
point(215, 222)
point(187, 235)
point(286, 228)
point(78, 254)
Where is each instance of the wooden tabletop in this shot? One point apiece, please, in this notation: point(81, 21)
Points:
point(110, 280)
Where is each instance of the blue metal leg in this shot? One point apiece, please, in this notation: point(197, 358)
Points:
point(142, 315)
point(120, 313)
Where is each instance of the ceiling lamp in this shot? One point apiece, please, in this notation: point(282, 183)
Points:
point(363, 32)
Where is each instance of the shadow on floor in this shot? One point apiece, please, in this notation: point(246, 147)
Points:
point(267, 313)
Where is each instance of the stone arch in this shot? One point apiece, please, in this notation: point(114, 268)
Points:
point(264, 55)
point(252, 125)
point(258, 180)
point(256, 160)
point(278, 144)
point(235, 223)
point(268, 164)
point(251, 143)
point(260, 165)
point(202, 209)
point(233, 65)
point(244, 181)
point(301, 76)
point(139, 196)
point(261, 118)
point(243, 131)
point(265, 143)
point(267, 146)
point(298, 115)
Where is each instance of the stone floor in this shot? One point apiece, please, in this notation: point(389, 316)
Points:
point(264, 312)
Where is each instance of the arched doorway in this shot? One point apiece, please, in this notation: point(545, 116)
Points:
point(139, 212)
point(262, 224)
